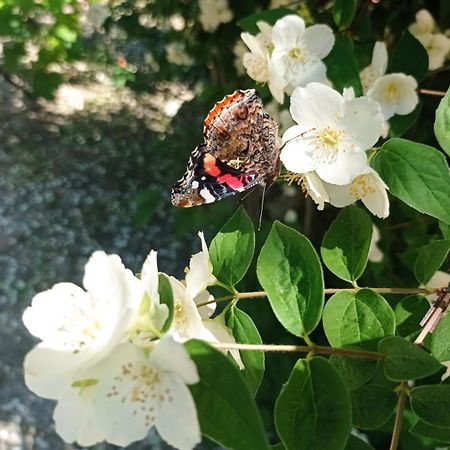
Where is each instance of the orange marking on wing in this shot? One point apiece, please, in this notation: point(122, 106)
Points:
point(219, 106)
point(210, 166)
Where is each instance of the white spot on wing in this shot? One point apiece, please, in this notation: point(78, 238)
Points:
point(205, 194)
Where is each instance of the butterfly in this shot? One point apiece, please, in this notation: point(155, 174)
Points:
point(240, 150)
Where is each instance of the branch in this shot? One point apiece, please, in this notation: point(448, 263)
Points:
point(432, 92)
point(403, 291)
point(402, 391)
point(300, 349)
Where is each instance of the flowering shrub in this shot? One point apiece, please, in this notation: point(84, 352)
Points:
point(130, 352)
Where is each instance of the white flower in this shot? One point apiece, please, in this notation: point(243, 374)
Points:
point(333, 134)
point(440, 279)
point(395, 92)
point(191, 321)
point(377, 68)
point(122, 397)
point(176, 54)
point(375, 254)
point(79, 328)
point(367, 187)
point(436, 44)
point(258, 64)
point(298, 51)
point(239, 50)
point(424, 23)
point(97, 14)
point(213, 13)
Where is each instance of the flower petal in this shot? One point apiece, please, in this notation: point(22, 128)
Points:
point(319, 40)
point(316, 190)
point(379, 59)
point(313, 71)
point(149, 276)
point(293, 154)
point(363, 122)
point(177, 421)
point(187, 321)
point(315, 106)
point(48, 371)
point(344, 168)
point(171, 356)
point(215, 330)
point(288, 31)
point(200, 276)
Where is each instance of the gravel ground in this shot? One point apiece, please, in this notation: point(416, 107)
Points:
point(69, 172)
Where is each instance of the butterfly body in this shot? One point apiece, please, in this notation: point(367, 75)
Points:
point(241, 150)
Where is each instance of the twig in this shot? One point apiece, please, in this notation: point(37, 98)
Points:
point(402, 390)
point(432, 92)
point(301, 349)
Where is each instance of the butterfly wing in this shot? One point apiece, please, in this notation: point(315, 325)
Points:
point(207, 179)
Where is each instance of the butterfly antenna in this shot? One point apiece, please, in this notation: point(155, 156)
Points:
point(262, 206)
point(247, 193)
point(296, 137)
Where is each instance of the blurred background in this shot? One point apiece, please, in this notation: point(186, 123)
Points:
point(101, 104)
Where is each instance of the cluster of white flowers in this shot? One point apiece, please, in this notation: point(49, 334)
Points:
point(327, 149)
point(106, 361)
point(176, 54)
point(326, 152)
point(288, 54)
point(213, 13)
point(436, 43)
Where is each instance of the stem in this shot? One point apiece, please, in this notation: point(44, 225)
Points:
point(402, 390)
point(300, 349)
point(404, 291)
point(432, 92)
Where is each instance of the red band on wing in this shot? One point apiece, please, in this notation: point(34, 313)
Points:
point(230, 180)
point(210, 166)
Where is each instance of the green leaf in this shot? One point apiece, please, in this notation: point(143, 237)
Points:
point(399, 125)
point(65, 34)
point(430, 258)
point(440, 343)
point(231, 251)
point(445, 229)
point(342, 69)
point(361, 319)
point(226, 410)
point(270, 16)
point(417, 174)
point(289, 270)
point(408, 314)
point(12, 55)
point(355, 443)
point(278, 446)
point(354, 371)
point(442, 123)
point(432, 404)
point(313, 409)
point(410, 57)
point(346, 244)
point(147, 202)
point(245, 332)
point(424, 429)
point(166, 298)
point(46, 83)
point(372, 406)
point(406, 361)
point(344, 12)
